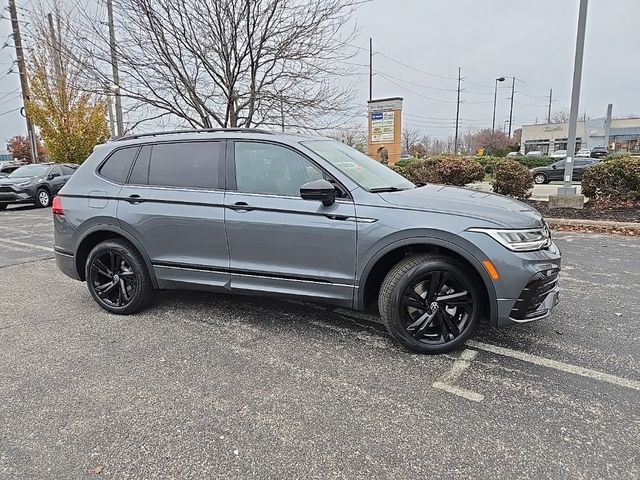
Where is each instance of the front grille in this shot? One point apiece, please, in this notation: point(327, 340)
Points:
point(533, 295)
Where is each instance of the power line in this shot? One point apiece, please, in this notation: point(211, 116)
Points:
point(413, 92)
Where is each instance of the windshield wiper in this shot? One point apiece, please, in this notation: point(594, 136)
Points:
point(386, 189)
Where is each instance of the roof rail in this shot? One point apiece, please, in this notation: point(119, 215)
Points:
point(201, 130)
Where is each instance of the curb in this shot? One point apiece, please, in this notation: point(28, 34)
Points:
point(593, 223)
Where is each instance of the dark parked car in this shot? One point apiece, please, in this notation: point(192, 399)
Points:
point(306, 218)
point(35, 184)
point(556, 170)
point(599, 152)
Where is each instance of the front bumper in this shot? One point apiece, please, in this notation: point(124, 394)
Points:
point(14, 194)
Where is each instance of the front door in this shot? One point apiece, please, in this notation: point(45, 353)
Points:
point(173, 205)
point(279, 242)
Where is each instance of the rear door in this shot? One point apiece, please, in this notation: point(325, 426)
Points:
point(173, 205)
point(279, 242)
point(579, 167)
point(557, 173)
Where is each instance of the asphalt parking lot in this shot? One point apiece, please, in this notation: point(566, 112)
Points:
point(214, 386)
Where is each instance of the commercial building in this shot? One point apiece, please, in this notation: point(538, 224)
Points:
point(549, 137)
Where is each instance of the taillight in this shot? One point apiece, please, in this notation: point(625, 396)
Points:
point(56, 206)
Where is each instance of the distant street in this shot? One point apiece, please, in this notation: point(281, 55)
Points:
point(540, 192)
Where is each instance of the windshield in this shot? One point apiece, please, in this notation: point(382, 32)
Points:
point(366, 172)
point(29, 171)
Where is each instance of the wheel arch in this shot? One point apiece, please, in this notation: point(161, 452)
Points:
point(100, 233)
point(385, 258)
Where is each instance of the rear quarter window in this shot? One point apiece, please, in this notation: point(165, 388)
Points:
point(117, 166)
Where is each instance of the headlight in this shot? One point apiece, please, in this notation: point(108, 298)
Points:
point(519, 240)
point(24, 184)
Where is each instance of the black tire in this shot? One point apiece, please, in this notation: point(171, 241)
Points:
point(43, 198)
point(540, 178)
point(443, 331)
point(126, 275)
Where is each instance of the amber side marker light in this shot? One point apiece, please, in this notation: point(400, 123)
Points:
point(493, 272)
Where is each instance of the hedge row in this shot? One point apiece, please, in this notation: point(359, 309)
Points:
point(510, 177)
point(614, 179)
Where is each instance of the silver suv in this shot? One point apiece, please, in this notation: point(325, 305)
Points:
point(300, 217)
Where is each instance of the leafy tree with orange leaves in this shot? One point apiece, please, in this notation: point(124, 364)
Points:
point(71, 120)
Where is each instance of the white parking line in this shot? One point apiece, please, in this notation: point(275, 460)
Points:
point(556, 365)
point(459, 366)
point(24, 244)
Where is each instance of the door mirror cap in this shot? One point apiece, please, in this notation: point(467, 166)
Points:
point(53, 175)
point(319, 190)
point(554, 167)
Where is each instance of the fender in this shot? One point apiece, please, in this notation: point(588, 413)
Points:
point(438, 238)
point(115, 228)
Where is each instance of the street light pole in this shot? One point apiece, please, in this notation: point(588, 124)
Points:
point(495, 101)
point(567, 189)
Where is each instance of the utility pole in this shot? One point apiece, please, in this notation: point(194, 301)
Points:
point(550, 100)
point(114, 68)
point(282, 114)
point(567, 190)
point(24, 83)
point(55, 50)
point(107, 93)
point(513, 92)
point(455, 141)
point(370, 69)
point(607, 125)
point(495, 102)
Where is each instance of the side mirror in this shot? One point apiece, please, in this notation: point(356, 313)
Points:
point(53, 175)
point(553, 166)
point(319, 190)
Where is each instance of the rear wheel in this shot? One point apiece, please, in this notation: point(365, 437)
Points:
point(118, 278)
point(430, 304)
point(43, 199)
point(540, 178)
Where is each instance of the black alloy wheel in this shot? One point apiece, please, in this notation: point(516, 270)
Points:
point(431, 304)
point(118, 278)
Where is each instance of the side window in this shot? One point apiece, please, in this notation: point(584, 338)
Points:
point(186, 164)
point(272, 169)
point(67, 170)
point(560, 164)
point(117, 166)
point(55, 169)
point(582, 163)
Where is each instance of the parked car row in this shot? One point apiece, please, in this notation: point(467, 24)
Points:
point(595, 152)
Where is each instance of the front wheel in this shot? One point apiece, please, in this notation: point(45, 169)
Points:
point(118, 278)
point(43, 199)
point(540, 178)
point(430, 303)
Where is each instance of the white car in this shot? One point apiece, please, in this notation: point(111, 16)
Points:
point(514, 154)
point(559, 154)
point(583, 152)
point(534, 153)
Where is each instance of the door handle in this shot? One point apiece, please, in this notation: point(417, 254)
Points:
point(134, 199)
point(240, 207)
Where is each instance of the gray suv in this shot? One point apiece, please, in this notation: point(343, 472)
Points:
point(252, 212)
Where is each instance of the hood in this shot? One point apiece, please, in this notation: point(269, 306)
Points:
point(497, 209)
point(13, 181)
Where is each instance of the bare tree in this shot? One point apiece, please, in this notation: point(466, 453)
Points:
point(410, 138)
point(229, 63)
point(354, 136)
point(560, 116)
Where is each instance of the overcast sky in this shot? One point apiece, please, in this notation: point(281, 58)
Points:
point(533, 40)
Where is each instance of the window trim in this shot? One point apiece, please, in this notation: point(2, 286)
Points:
point(111, 153)
point(230, 179)
point(220, 181)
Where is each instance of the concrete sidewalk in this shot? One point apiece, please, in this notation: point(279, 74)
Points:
point(540, 192)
